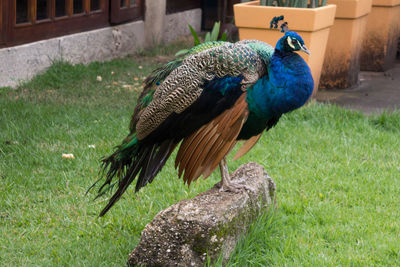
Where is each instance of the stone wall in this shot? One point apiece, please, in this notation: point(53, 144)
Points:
point(173, 26)
point(23, 62)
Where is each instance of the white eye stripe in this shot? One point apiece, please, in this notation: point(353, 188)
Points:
point(289, 41)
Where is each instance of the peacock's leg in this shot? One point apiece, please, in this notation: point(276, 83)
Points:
point(226, 183)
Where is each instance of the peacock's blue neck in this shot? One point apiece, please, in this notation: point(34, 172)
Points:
point(280, 47)
point(287, 85)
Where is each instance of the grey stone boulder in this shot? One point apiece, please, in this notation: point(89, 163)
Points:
point(188, 232)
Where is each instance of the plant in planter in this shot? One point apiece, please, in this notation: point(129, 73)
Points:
point(313, 24)
point(214, 35)
point(293, 3)
point(342, 59)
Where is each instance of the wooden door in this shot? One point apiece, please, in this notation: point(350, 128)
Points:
point(24, 21)
point(2, 24)
point(33, 20)
point(126, 10)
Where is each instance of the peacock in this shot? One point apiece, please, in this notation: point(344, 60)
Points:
point(218, 94)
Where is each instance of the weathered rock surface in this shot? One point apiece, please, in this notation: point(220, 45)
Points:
point(211, 223)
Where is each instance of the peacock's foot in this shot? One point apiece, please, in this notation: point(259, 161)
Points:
point(235, 186)
point(229, 188)
point(228, 185)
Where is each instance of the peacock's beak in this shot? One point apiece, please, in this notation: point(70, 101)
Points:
point(305, 50)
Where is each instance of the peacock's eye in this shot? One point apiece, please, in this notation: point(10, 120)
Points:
point(294, 41)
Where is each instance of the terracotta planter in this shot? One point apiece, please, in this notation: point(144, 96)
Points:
point(342, 58)
point(312, 24)
point(381, 37)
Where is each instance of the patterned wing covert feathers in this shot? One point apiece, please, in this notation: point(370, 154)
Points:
point(183, 86)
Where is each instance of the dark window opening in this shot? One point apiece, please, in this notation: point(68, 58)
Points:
point(22, 11)
point(60, 8)
point(78, 6)
point(94, 5)
point(41, 10)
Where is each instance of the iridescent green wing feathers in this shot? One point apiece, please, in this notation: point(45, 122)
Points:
point(263, 49)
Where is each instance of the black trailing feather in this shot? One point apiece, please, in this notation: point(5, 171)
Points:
point(147, 162)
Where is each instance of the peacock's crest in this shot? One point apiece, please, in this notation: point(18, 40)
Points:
point(291, 41)
point(274, 23)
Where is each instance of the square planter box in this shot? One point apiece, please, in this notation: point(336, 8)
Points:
point(312, 24)
point(381, 37)
point(342, 58)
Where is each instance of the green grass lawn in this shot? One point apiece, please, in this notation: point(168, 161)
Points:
point(337, 174)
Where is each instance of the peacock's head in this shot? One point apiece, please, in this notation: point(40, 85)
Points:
point(291, 41)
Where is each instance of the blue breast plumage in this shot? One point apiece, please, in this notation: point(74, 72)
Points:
point(286, 87)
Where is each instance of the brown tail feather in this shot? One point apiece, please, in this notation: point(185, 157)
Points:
point(197, 170)
point(189, 146)
point(215, 133)
point(209, 135)
point(188, 150)
point(226, 147)
point(200, 153)
point(229, 140)
point(186, 144)
point(190, 166)
point(247, 145)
